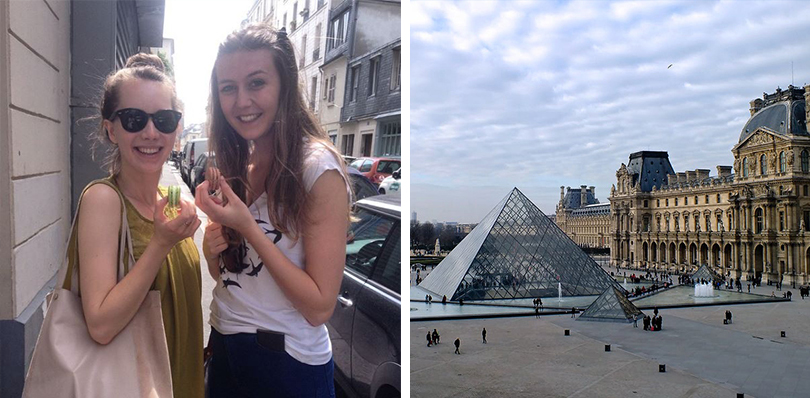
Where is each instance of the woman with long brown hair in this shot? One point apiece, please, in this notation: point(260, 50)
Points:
point(276, 243)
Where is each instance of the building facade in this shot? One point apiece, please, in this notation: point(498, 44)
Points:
point(580, 215)
point(56, 55)
point(748, 221)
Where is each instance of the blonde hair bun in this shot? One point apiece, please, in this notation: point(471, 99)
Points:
point(143, 59)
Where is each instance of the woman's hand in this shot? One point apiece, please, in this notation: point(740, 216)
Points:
point(169, 232)
point(214, 241)
point(232, 212)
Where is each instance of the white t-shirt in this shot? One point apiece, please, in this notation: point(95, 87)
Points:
point(251, 300)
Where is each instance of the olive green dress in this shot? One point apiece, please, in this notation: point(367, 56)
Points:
point(179, 283)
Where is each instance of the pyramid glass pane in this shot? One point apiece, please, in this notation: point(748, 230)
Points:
point(612, 305)
point(516, 252)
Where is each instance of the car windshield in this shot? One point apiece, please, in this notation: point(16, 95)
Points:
point(387, 166)
point(365, 239)
point(356, 164)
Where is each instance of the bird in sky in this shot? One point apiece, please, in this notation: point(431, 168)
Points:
point(670, 65)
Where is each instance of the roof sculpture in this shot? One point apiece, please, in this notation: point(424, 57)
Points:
point(613, 306)
point(516, 252)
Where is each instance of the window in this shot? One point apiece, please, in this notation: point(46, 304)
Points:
point(355, 83)
point(348, 144)
point(284, 21)
point(366, 166)
point(781, 220)
point(331, 91)
point(333, 136)
point(763, 165)
point(745, 167)
point(666, 202)
point(320, 4)
point(686, 201)
point(387, 271)
point(707, 199)
point(677, 224)
point(294, 16)
point(805, 161)
point(313, 93)
point(718, 198)
point(396, 72)
point(305, 11)
point(303, 59)
point(686, 221)
point(373, 75)
point(365, 241)
point(696, 200)
point(658, 203)
point(645, 202)
point(390, 138)
point(806, 219)
point(782, 162)
point(708, 222)
point(719, 220)
point(338, 31)
point(316, 45)
point(676, 201)
point(805, 190)
point(758, 217)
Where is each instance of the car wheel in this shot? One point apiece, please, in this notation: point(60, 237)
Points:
point(382, 191)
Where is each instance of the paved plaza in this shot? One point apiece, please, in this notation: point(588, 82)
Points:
point(532, 357)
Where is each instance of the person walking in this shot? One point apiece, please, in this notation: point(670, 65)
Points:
point(435, 337)
point(573, 312)
point(457, 343)
point(429, 339)
point(635, 320)
point(484, 335)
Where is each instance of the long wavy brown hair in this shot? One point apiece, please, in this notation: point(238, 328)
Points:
point(294, 125)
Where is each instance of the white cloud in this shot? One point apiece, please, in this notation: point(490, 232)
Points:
point(539, 95)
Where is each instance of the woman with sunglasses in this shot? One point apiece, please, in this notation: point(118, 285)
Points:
point(140, 122)
point(277, 241)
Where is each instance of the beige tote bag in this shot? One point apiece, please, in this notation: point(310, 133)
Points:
point(68, 363)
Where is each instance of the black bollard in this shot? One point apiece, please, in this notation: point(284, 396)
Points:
point(567, 332)
point(783, 333)
point(740, 395)
point(607, 347)
point(662, 368)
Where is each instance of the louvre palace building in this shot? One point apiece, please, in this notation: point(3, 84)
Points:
point(750, 220)
point(580, 215)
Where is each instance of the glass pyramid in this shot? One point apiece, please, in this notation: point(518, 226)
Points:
point(516, 252)
point(612, 305)
point(706, 273)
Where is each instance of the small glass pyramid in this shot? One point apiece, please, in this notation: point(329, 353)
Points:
point(516, 251)
point(612, 305)
point(705, 273)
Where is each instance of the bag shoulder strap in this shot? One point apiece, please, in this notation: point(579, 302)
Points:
point(70, 268)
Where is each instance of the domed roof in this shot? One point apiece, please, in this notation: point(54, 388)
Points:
point(783, 118)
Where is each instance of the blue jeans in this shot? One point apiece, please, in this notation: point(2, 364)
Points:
point(241, 367)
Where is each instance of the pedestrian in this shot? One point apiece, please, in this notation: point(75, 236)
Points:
point(646, 322)
point(429, 339)
point(484, 335)
point(573, 312)
point(749, 287)
point(789, 294)
point(536, 312)
point(435, 336)
point(635, 320)
point(457, 343)
point(655, 311)
point(278, 262)
point(444, 299)
point(540, 303)
point(140, 122)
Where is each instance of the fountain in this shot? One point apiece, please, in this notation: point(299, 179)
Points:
point(559, 291)
point(704, 290)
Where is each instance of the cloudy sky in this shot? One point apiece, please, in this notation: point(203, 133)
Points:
point(538, 95)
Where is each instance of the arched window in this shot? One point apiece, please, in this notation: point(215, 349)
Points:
point(763, 165)
point(745, 167)
point(805, 161)
point(782, 162)
point(758, 217)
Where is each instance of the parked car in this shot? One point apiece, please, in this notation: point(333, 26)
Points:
point(192, 150)
point(365, 327)
point(197, 174)
point(361, 186)
point(376, 169)
point(391, 185)
point(348, 159)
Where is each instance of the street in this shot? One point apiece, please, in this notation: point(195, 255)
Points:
point(171, 176)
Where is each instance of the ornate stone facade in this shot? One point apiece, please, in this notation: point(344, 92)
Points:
point(580, 215)
point(750, 223)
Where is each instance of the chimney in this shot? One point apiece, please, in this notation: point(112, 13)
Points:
point(691, 176)
point(672, 179)
point(583, 196)
point(593, 191)
point(702, 174)
point(682, 177)
point(723, 171)
point(562, 194)
point(756, 105)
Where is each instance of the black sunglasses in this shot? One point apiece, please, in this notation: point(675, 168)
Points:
point(135, 120)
